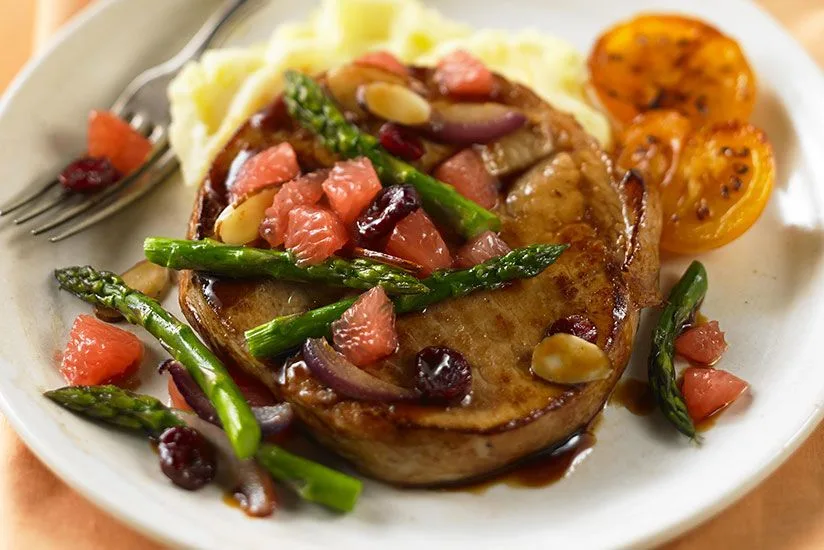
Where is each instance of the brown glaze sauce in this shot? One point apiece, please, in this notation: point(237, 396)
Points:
point(230, 500)
point(708, 423)
point(635, 396)
point(131, 383)
point(540, 469)
point(222, 292)
point(558, 465)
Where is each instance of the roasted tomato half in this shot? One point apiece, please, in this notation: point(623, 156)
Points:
point(724, 180)
point(671, 62)
point(653, 144)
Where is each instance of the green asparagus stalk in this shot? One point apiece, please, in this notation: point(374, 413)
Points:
point(311, 481)
point(312, 109)
point(683, 301)
point(285, 333)
point(288, 332)
point(108, 290)
point(240, 261)
point(125, 409)
point(116, 406)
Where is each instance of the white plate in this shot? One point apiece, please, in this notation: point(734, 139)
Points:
point(642, 483)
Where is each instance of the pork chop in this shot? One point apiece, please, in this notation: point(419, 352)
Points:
point(559, 187)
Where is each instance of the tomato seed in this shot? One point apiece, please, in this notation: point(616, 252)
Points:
point(703, 210)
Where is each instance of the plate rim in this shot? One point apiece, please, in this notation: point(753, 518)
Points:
point(35, 443)
point(50, 455)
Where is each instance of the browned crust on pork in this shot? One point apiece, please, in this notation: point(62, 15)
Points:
point(416, 445)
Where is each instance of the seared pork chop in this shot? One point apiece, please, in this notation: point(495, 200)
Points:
point(559, 187)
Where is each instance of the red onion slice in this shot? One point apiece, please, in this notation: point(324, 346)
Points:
point(273, 419)
point(253, 487)
point(474, 123)
point(190, 391)
point(334, 370)
point(387, 259)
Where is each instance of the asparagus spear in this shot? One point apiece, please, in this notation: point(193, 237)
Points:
point(683, 301)
point(135, 412)
point(240, 261)
point(284, 333)
point(117, 406)
point(311, 108)
point(312, 481)
point(108, 290)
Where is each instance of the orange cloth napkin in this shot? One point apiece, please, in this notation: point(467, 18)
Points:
point(37, 510)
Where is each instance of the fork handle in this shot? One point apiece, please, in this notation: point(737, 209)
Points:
point(192, 50)
point(203, 38)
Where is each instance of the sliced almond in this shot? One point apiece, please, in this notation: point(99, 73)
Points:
point(566, 359)
point(239, 223)
point(394, 102)
point(344, 82)
point(146, 277)
point(472, 113)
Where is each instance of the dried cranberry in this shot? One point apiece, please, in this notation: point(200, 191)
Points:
point(400, 141)
point(444, 374)
point(576, 325)
point(186, 458)
point(391, 205)
point(89, 174)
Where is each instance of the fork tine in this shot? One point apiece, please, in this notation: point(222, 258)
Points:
point(55, 202)
point(100, 197)
point(140, 122)
point(15, 204)
point(164, 168)
point(75, 211)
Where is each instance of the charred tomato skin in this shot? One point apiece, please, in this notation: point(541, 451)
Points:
point(443, 375)
point(723, 184)
point(186, 458)
point(390, 206)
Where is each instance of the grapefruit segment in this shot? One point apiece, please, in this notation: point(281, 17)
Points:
point(703, 344)
point(99, 353)
point(707, 391)
point(484, 247)
point(350, 188)
point(366, 331)
point(462, 74)
point(467, 173)
point(270, 167)
point(176, 399)
point(382, 59)
point(313, 234)
point(111, 137)
point(304, 191)
point(416, 239)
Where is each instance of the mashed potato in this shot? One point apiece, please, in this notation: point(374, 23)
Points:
point(210, 99)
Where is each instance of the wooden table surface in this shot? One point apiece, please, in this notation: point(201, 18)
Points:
point(786, 511)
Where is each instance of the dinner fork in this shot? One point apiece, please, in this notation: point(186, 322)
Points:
point(145, 106)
